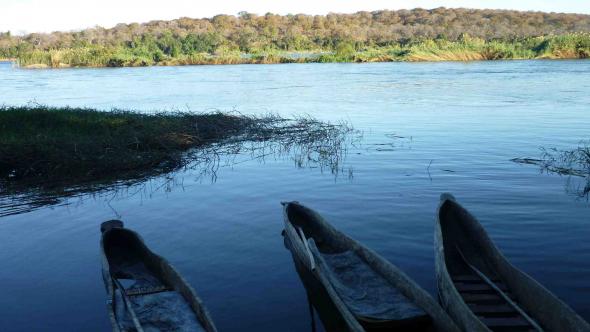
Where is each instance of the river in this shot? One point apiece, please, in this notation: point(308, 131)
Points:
point(427, 128)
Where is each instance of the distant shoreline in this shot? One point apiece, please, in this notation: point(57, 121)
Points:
point(439, 34)
point(571, 46)
point(64, 66)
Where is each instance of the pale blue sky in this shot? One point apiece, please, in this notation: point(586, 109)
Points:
point(21, 16)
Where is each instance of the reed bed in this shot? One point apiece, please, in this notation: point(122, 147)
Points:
point(574, 163)
point(48, 154)
point(42, 142)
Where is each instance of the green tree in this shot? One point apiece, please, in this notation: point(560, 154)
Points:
point(169, 45)
point(200, 43)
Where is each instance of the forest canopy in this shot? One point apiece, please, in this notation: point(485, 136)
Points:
point(343, 34)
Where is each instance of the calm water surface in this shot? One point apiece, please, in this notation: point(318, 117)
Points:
point(461, 124)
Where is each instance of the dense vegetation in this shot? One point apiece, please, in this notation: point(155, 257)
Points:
point(43, 142)
point(413, 35)
point(50, 153)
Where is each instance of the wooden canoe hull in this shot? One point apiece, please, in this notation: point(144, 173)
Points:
point(541, 305)
point(392, 274)
point(161, 266)
point(318, 297)
point(330, 315)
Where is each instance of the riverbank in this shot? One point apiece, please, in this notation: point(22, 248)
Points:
point(570, 46)
point(45, 142)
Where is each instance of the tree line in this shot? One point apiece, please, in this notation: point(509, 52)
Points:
point(251, 33)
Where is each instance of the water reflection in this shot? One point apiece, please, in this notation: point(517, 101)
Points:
point(307, 142)
point(574, 164)
point(393, 142)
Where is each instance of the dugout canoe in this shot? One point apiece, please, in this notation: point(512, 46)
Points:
point(318, 299)
point(145, 292)
point(369, 292)
point(481, 290)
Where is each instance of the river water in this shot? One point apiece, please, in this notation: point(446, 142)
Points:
point(427, 128)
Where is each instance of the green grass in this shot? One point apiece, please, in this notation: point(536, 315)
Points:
point(573, 46)
point(70, 146)
point(54, 143)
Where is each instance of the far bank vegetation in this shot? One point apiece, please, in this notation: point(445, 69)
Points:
point(405, 35)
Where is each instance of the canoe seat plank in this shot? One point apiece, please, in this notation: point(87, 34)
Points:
point(470, 278)
point(466, 278)
point(482, 298)
point(477, 287)
point(491, 309)
point(146, 290)
point(472, 288)
point(506, 323)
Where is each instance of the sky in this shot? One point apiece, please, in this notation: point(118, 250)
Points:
point(25, 16)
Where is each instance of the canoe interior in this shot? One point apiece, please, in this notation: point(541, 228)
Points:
point(366, 293)
point(326, 239)
point(371, 298)
point(458, 235)
point(462, 248)
point(158, 306)
point(330, 316)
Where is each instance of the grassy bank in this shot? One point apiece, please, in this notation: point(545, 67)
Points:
point(54, 143)
point(569, 46)
point(50, 144)
point(49, 154)
point(42, 146)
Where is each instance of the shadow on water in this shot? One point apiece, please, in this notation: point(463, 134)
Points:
point(573, 164)
point(308, 143)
